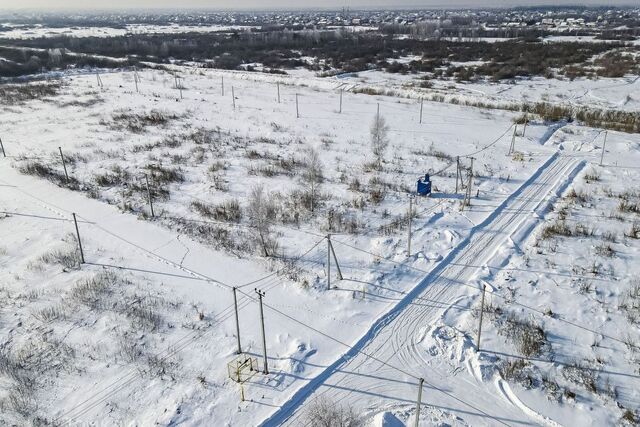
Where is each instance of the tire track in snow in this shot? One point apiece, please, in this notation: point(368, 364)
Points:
point(352, 368)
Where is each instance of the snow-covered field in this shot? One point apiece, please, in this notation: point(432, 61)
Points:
point(142, 332)
point(619, 93)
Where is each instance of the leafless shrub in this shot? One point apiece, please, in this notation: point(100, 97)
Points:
point(261, 212)
point(141, 312)
point(93, 291)
point(217, 166)
point(138, 122)
point(631, 303)
point(578, 196)
point(630, 417)
point(581, 375)
point(517, 370)
point(324, 413)
point(50, 313)
point(229, 211)
point(634, 231)
point(341, 222)
point(529, 338)
point(46, 171)
point(116, 176)
point(220, 237)
point(164, 175)
point(68, 257)
point(592, 176)
point(627, 206)
point(605, 250)
point(379, 137)
point(18, 93)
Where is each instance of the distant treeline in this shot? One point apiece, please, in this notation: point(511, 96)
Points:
point(322, 51)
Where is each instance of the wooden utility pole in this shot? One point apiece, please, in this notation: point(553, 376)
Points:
point(526, 122)
point(378, 113)
point(419, 403)
point(484, 288)
point(235, 305)
point(297, 108)
point(75, 221)
point(2, 148)
point(233, 95)
point(410, 218)
point(278, 92)
point(421, 108)
point(100, 85)
point(222, 85)
point(64, 164)
point(604, 143)
point(264, 339)
point(146, 178)
point(341, 91)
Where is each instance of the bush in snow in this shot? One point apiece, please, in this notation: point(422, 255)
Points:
point(324, 413)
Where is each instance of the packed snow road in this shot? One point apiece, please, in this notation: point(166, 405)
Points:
point(406, 345)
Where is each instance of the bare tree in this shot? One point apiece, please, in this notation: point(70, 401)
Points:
point(324, 413)
point(312, 175)
point(261, 213)
point(379, 138)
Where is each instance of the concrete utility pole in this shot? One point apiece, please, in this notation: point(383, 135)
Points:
point(467, 194)
point(421, 108)
point(146, 178)
point(235, 305)
point(135, 78)
point(378, 113)
point(264, 339)
point(604, 143)
point(297, 108)
point(233, 95)
point(410, 218)
point(222, 85)
point(64, 164)
point(418, 403)
point(75, 221)
point(328, 261)
point(341, 90)
point(512, 147)
point(2, 148)
point(335, 258)
point(457, 172)
point(484, 288)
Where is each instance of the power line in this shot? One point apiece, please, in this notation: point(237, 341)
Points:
point(557, 317)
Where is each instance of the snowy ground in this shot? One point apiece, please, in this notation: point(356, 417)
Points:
point(143, 332)
point(615, 93)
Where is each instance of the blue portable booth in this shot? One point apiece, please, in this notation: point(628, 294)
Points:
point(424, 185)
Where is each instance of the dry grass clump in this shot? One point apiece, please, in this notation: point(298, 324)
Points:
point(229, 211)
point(18, 93)
point(139, 122)
point(529, 338)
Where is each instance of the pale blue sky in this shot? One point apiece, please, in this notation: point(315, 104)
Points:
point(269, 4)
